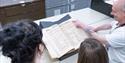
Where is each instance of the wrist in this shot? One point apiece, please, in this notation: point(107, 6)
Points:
point(88, 29)
point(96, 29)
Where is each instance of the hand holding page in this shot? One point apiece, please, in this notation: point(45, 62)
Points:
point(62, 38)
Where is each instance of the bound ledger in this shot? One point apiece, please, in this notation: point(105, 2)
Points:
point(62, 38)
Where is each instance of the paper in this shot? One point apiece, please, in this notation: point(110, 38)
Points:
point(61, 38)
point(76, 35)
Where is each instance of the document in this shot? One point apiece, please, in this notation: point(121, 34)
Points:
point(62, 38)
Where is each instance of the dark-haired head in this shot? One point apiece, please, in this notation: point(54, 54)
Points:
point(92, 51)
point(20, 41)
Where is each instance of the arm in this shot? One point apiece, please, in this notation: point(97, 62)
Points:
point(98, 28)
point(90, 31)
point(103, 27)
point(101, 38)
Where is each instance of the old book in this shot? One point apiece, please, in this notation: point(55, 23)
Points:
point(62, 38)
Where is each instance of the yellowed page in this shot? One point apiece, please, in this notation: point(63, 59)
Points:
point(56, 41)
point(73, 33)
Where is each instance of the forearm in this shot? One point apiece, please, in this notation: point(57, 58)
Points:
point(101, 38)
point(102, 27)
point(93, 34)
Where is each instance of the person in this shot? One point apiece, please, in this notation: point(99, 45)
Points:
point(22, 41)
point(92, 51)
point(115, 40)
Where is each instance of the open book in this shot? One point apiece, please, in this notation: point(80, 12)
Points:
point(62, 38)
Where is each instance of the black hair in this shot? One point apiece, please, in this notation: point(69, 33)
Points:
point(20, 40)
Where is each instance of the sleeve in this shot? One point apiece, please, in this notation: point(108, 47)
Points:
point(116, 39)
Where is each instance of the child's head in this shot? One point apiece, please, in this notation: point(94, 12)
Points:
point(20, 41)
point(92, 51)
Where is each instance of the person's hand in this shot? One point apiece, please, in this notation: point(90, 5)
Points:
point(83, 26)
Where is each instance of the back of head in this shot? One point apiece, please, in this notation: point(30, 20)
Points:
point(91, 51)
point(20, 40)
